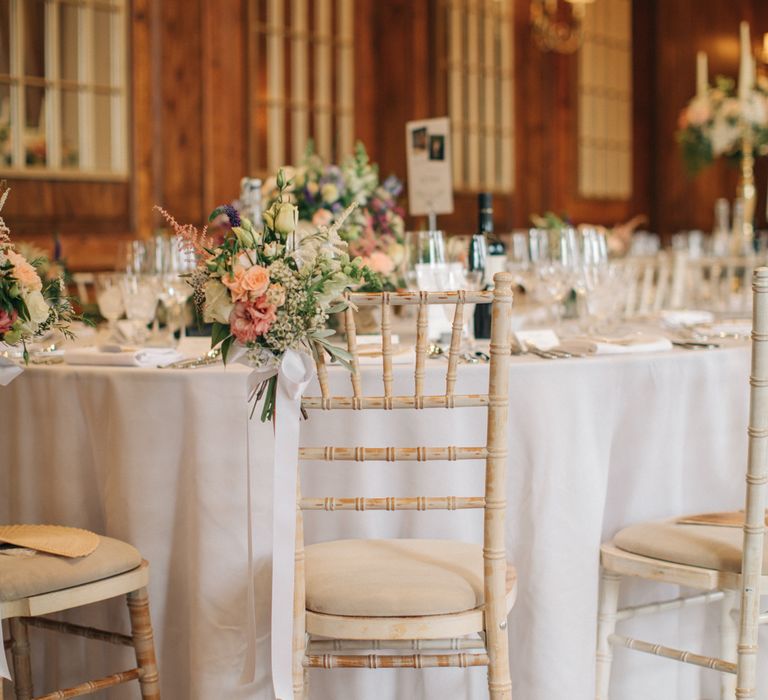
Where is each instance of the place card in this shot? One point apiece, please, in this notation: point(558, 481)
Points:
point(543, 338)
point(430, 177)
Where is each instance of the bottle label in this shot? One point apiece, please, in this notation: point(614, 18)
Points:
point(494, 264)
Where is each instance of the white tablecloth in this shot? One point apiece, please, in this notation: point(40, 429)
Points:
point(157, 457)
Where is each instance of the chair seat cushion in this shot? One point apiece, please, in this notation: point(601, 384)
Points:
point(714, 547)
point(24, 577)
point(393, 578)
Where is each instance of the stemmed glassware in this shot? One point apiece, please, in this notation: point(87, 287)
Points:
point(424, 255)
point(109, 297)
point(556, 265)
point(140, 295)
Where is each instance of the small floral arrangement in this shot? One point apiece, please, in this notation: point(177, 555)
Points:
point(712, 125)
point(374, 231)
point(30, 304)
point(269, 291)
point(48, 268)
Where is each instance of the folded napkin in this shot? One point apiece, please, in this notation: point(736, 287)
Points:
point(617, 346)
point(728, 519)
point(117, 356)
point(9, 370)
point(737, 327)
point(685, 317)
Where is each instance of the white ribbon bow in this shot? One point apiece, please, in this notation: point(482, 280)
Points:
point(294, 372)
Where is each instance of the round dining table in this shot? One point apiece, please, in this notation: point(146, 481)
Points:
point(159, 458)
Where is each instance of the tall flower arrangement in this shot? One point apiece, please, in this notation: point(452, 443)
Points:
point(374, 230)
point(30, 306)
point(268, 291)
point(712, 124)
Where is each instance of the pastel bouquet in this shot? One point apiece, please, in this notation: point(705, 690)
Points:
point(270, 291)
point(374, 230)
point(713, 124)
point(30, 305)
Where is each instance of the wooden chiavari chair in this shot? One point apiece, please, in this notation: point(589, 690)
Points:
point(45, 584)
point(726, 563)
point(653, 283)
point(457, 615)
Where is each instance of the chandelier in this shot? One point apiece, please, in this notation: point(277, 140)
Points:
point(554, 34)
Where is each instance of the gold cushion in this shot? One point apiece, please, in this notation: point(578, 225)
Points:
point(23, 577)
point(705, 546)
point(393, 578)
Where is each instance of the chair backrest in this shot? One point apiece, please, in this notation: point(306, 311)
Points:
point(757, 476)
point(651, 283)
point(494, 402)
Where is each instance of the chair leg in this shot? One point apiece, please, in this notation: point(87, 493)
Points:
point(306, 684)
point(606, 624)
point(299, 640)
point(22, 669)
point(729, 635)
point(144, 644)
point(497, 644)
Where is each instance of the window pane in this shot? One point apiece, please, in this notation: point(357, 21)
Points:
point(101, 47)
point(6, 157)
point(70, 152)
point(34, 132)
point(68, 41)
point(33, 17)
point(102, 132)
point(5, 37)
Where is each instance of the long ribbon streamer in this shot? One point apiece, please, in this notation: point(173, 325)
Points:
point(294, 373)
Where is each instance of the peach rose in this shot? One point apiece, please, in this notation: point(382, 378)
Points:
point(23, 272)
point(380, 262)
point(250, 319)
point(322, 217)
point(247, 283)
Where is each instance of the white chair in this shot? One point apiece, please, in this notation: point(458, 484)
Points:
point(429, 603)
point(707, 557)
point(44, 584)
point(85, 283)
point(653, 283)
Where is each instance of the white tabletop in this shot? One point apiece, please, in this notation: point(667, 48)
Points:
point(157, 457)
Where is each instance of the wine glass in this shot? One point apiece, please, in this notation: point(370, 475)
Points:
point(109, 297)
point(593, 273)
point(519, 260)
point(424, 253)
point(140, 293)
point(555, 258)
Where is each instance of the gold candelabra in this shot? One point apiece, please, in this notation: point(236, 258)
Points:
point(747, 191)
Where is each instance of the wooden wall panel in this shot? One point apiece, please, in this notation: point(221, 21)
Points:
point(681, 29)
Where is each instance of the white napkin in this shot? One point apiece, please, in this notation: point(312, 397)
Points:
point(618, 346)
point(9, 370)
point(740, 327)
point(685, 317)
point(122, 357)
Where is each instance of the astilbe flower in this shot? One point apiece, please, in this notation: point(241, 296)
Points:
point(192, 239)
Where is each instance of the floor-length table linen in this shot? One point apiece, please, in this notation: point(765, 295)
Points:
point(157, 457)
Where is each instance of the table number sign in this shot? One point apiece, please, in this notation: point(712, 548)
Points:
point(430, 179)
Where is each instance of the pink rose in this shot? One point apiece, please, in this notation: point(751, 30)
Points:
point(322, 217)
point(7, 320)
point(250, 319)
point(23, 272)
point(698, 112)
point(380, 262)
point(247, 283)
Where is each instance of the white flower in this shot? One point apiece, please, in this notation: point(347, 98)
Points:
point(218, 304)
point(286, 218)
point(37, 306)
point(329, 192)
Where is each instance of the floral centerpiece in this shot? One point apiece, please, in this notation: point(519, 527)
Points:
point(374, 230)
point(712, 124)
point(267, 292)
point(30, 304)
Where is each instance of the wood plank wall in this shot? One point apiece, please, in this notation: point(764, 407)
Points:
point(189, 116)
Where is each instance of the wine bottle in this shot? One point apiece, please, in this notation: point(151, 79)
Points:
point(480, 260)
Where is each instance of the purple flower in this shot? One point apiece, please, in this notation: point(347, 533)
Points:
point(233, 216)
